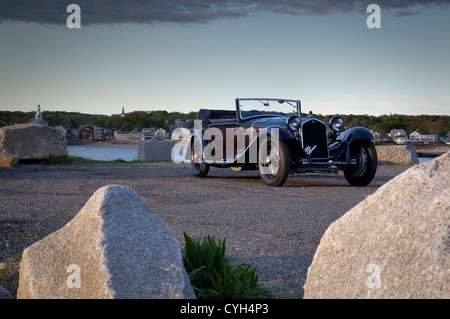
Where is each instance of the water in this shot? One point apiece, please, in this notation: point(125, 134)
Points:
point(125, 152)
point(104, 153)
point(425, 159)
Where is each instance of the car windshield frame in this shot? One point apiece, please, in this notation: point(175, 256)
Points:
point(268, 107)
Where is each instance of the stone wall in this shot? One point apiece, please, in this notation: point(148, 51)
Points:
point(155, 150)
point(400, 154)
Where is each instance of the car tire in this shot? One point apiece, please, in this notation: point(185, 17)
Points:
point(363, 172)
point(274, 162)
point(199, 169)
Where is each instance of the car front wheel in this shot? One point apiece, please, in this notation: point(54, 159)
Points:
point(274, 162)
point(365, 156)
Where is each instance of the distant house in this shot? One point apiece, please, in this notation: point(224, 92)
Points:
point(75, 133)
point(87, 133)
point(378, 136)
point(398, 136)
point(136, 136)
point(160, 134)
point(131, 137)
point(61, 129)
point(417, 137)
point(181, 133)
point(108, 133)
point(121, 136)
point(98, 134)
point(149, 132)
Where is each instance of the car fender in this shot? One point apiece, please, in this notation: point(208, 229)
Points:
point(197, 134)
point(340, 150)
point(356, 133)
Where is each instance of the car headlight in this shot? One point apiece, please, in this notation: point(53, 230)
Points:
point(293, 123)
point(337, 124)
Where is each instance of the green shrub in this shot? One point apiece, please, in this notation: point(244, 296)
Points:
point(212, 274)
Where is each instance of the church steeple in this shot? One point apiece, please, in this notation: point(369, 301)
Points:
point(123, 112)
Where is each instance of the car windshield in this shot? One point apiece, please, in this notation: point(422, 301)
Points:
point(267, 107)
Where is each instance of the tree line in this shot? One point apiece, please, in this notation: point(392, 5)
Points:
point(383, 124)
point(138, 119)
point(426, 124)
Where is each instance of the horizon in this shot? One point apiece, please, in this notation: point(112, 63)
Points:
point(184, 57)
point(185, 113)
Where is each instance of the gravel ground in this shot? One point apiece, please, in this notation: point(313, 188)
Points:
point(275, 228)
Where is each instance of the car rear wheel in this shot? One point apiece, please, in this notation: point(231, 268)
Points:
point(274, 162)
point(198, 168)
point(363, 172)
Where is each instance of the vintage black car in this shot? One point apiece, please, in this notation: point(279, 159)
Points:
point(271, 135)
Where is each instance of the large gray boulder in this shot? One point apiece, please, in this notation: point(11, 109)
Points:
point(113, 248)
point(394, 244)
point(32, 142)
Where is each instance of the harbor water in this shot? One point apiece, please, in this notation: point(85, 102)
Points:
point(104, 153)
point(123, 152)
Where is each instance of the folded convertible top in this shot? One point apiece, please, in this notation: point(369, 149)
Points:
point(206, 115)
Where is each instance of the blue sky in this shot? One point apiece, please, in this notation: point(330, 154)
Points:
point(331, 61)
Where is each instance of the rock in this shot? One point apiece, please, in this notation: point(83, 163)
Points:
point(5, 294)
point(31, 142)
point(113, 248)
point(155, 150)
point(8, 160)
point(400, 154)
point(394, 244)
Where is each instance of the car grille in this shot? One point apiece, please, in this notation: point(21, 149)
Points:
point(314, 139)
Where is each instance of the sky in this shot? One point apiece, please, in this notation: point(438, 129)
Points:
point(181, 56)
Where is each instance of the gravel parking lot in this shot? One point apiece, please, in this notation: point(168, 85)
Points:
point(275, 228)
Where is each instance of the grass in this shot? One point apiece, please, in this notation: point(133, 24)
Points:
point(212, 274)
point(71, 160)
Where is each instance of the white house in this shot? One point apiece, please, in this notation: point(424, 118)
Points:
point(160, 134)
point(181, 133)
point(132, 137)
point(398, 136)
point(417, 137)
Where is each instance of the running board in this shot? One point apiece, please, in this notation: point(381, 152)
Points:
point(306, 162)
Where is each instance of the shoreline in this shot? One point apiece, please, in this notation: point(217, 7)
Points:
point(105, 145)
point(102, 144)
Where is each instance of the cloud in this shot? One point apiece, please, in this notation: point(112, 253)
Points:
point(184, 11)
